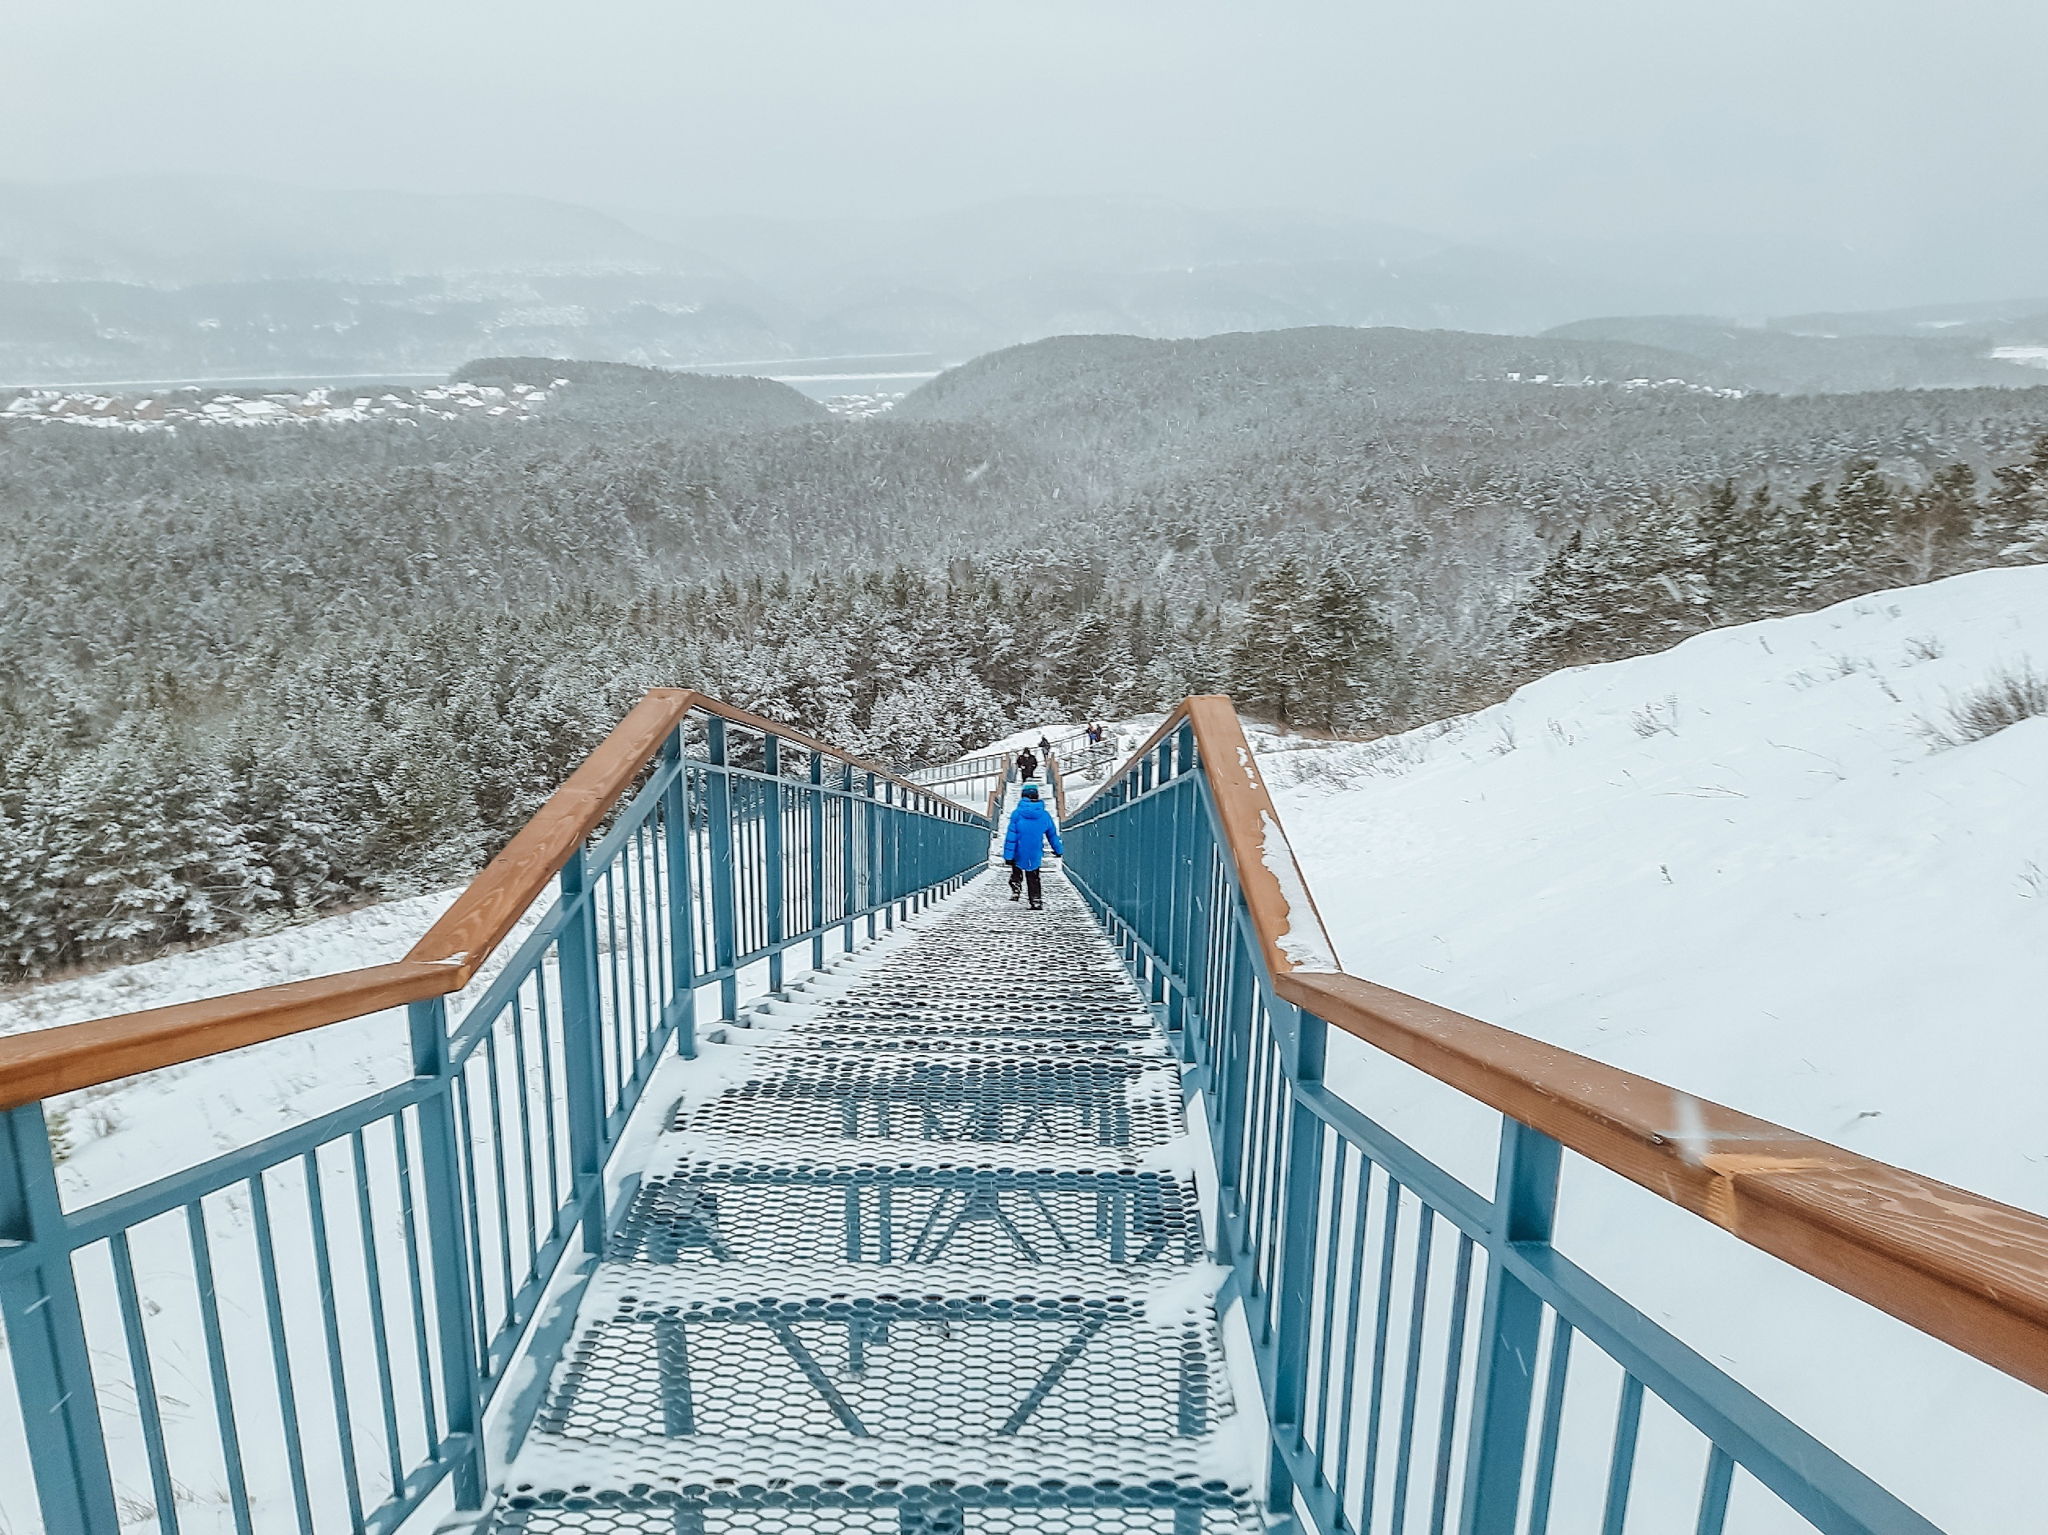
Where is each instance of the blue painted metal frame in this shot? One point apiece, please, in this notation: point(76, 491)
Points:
point(1331, 1223)
point(432, 1215)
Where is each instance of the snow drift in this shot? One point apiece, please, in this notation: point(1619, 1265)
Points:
point(1764, 866)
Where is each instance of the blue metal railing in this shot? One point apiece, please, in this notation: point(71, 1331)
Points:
point(310, 1329)
point(1428, 1359)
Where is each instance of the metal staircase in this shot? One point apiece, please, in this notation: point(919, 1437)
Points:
point(923, 1254)
point(933, 1239)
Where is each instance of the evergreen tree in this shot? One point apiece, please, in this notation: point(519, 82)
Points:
point(1346, 655)
point(1269, 668)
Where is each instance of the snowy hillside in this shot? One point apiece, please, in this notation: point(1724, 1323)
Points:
point(1747, 867)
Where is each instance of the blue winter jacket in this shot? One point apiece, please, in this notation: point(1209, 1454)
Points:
point(1031, 828)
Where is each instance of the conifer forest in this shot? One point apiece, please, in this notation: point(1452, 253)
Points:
point(248, 675)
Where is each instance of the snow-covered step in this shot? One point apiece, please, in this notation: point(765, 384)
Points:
point(920, 1251)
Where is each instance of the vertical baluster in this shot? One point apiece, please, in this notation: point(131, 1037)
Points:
point(494, 1100)
point(1511, 1321)
point(373, 1283)
point(1332, 1228)
point(724, 919)
point(280, 1353)
point(522, 1090)
point(871, 850)
point(1166, 928)
point(1411, 1377)
point(415, 1270)
point(646, 949)
point(1302, 1049)
point(681, 1006)
point(1544, 1476)
point(1231, 1070)
point(46, 1337)
point(888, 834)
point(227, 1429)
point(555, 1112)
point(771, 857)
point(1714, 1493)
point(1390, 1237)
point(616, 999)
point(448, 1250)
point(814, 910)
point(149, 1410)
point(1454, 1370)
point(847, 851)
point(582, 1049)
point(472, 1221)
point(1621, 1469)
point(330, 1318)
point(1353, 1331)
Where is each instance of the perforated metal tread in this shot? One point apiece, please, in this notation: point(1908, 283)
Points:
point(918, 1256)
point(713, 1212)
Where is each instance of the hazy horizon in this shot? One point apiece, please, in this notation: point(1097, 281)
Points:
point(1848, 155)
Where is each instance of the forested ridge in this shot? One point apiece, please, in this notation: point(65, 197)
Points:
point(255, 674)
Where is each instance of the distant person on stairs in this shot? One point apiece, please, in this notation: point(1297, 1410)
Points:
point(1027, 763)
point(1031, 827)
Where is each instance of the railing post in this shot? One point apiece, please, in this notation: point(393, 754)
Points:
point(1229, 1057)
point(582, 1048)
point(1525, 1207)
point(814, 909)
point(886, 843)
point(682, 930)
point(724, 918)
point(1301, 1039)
point(771, 855)
point(871, 847)
point(46, 1338)
point(455, 1299)
point(849, 827)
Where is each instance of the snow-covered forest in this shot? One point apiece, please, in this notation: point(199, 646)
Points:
point(252, 675)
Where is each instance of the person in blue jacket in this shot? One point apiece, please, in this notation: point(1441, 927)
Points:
point(1024, 843)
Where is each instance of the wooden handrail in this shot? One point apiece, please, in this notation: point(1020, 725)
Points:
point(1966, 1269)
point(1960, 1267)
point(40, 1063)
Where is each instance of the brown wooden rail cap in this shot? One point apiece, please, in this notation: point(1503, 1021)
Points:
point(1966, 1269)
point(43, 1062)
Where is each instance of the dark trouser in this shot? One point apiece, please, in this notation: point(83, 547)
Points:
point(1021, 878)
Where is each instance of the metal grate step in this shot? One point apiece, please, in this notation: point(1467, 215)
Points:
point(1070, 1100)
point(920, 1256)
point(713, 1212)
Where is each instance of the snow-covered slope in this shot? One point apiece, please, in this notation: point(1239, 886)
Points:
point(1741, 867)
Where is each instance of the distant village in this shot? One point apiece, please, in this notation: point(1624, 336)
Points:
point(168, 410)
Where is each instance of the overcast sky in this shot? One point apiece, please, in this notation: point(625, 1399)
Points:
point(1910, 131)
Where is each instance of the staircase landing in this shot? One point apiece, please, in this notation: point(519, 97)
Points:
point(919, 1253)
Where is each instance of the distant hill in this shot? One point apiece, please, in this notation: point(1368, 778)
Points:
point(147, 278)
point(1164, 400)
point(1786, 361)
point(2021, 321)
point(652, 398)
